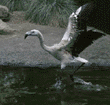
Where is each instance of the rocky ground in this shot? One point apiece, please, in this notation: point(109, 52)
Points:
point(14, 49)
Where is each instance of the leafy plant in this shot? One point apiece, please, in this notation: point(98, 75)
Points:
point(50, 12)
point(15, 5)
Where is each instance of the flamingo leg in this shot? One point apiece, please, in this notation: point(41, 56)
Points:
point(71, 76)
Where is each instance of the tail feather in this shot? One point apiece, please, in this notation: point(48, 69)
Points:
point(79, 59)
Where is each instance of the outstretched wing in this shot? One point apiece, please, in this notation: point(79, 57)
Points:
point(82, 41)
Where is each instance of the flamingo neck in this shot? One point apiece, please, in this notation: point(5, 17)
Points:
point(42, 43)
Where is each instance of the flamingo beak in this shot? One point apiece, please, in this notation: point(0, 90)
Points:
point(26, 35)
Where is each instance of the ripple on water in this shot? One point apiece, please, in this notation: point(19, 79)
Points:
point(38, 86)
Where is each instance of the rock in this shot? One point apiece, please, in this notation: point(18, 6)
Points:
point(4, 13)
point(5, 29)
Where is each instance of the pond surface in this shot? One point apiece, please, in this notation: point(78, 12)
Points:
point(37, 86)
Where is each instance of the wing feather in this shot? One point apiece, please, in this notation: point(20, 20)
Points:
point(82, 41)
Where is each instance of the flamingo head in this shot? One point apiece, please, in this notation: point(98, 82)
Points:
point(33, 32)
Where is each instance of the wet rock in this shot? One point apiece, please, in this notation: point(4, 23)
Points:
point(4, 13)
point(5, 29)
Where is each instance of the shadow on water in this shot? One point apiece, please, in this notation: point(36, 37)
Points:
point(37, 86)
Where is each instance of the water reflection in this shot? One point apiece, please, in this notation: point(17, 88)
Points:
point(26, 85)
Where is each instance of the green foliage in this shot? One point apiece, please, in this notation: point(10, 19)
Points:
point(81, 2)
point(15, 5)
point(50, 12)
point(45, 12)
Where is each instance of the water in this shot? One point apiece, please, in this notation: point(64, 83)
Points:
point(36, 86)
